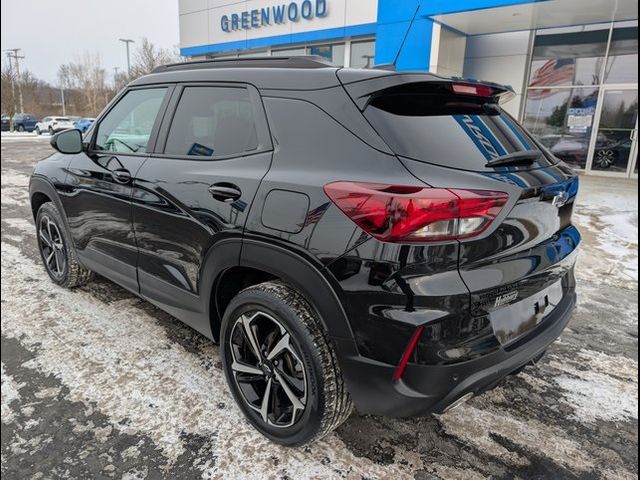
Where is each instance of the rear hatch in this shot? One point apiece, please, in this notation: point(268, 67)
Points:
point(454, 134)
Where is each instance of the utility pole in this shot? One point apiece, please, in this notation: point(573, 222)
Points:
point(115, 77)
point(13, 89)
point(127, 41)
point(13, 55)
point(64, 108)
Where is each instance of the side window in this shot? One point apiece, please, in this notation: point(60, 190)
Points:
point(127, 127)
point(212, 122)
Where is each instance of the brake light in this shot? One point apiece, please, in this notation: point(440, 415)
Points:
point(472, 89)
point(393, 213)
point(397, 375)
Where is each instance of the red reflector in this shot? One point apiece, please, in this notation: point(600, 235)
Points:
point(397, 375)
point(472, 89)
point(393, 213)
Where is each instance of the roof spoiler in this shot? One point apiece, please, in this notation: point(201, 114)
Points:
point(361, 91)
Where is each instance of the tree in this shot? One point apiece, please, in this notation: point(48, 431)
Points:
point(148, 56)
point(87, 78)
point(8, 91)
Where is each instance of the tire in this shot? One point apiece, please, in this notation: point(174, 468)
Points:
point(50, 131)
point(56, 249)
point(38, 132)
point(307, 361)
point(21, 128)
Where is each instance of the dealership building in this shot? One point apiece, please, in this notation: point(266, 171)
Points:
point(573, 64)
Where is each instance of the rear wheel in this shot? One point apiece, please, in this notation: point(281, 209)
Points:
point(55, 247)
point(280, 366)
point(21, 128)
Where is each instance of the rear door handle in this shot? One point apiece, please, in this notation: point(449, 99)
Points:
point(121, 175)
point(225, 192)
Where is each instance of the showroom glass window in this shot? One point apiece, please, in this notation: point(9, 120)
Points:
point(363, 54)
point(562, 119)
point(334, 53)
point(213, 122)
point(622, 62)
point(569, 56)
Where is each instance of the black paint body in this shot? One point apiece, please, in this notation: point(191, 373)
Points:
point(166, 237)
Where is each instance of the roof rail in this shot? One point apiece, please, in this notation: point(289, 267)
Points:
point(302, 61)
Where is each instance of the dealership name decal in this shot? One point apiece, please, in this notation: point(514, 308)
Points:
point(260, 17)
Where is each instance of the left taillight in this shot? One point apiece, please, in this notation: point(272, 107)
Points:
point(395, 213)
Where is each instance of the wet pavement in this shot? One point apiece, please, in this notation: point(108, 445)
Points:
point(98, 383)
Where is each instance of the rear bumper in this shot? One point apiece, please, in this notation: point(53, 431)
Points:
point(428, 389)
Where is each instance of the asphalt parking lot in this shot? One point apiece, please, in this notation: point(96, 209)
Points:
point(98, 383)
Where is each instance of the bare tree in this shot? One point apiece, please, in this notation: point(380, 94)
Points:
point(148, 56)
point(86, 77)
point(8, 91)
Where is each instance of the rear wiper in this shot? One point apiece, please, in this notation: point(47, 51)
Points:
point(525, 157)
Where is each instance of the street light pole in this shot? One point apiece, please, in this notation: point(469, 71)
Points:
point(127, 41)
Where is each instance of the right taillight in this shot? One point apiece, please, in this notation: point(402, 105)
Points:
point(394, 213)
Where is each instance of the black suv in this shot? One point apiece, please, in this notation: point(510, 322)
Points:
point(389, 240)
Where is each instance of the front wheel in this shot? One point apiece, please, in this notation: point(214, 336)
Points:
point(50, 131)
point(38, 131)
point(280, 365)
point(55, 247)
point(21, 128)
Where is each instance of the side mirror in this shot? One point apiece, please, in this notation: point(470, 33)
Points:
point(68, 141)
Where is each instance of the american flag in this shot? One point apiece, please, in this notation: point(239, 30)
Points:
point(557, 71)
point(316, 214)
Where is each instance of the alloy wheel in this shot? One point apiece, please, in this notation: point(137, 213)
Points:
point(267, 369)
point(52, 247)
point(605, 158)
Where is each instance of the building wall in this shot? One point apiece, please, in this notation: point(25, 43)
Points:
point(447, 52)
point(202, 32)
point(502, 58)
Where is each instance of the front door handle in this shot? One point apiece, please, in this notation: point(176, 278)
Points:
point(121, 175)
point(225, 192)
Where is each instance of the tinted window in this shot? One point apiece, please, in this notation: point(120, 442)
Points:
point(448, 130)
point(213, 121)
point(127, 127)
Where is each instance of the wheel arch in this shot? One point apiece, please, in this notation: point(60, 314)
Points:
point(262, 261)
point(41, 190)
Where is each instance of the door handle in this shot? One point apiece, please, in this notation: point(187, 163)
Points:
point(121, 175)
point(225, 192)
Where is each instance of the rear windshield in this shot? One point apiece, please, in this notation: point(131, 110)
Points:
point(449, 130)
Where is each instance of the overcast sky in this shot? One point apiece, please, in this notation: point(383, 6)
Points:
point(52, 32)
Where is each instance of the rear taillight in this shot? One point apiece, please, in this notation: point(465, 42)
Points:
point(393, 213)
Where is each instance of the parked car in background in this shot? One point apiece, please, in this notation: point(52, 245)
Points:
point(24, 122)
point(52, 125)
point(6, 123)
point(84, 123)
